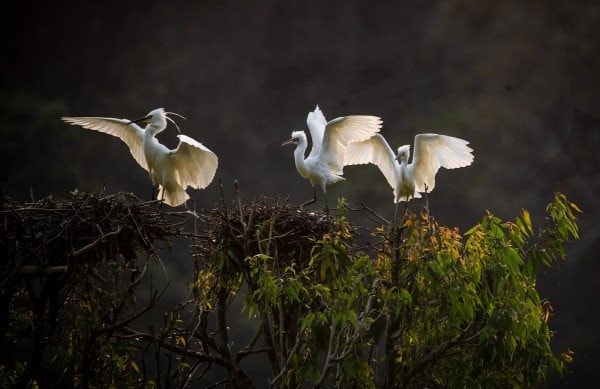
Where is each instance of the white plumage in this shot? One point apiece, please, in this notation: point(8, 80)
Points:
point(431, 151)
point(325, 162)
point(190, 164)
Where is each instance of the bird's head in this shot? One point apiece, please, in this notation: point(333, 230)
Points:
point(157, 119)
point(297, 137)
point(403, 154)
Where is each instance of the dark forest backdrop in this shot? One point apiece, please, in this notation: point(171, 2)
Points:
point(519, 80)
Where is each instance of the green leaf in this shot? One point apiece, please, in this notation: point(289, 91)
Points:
point(471, 230)
point(307, 321)
point(527, 221)
point(513, 260)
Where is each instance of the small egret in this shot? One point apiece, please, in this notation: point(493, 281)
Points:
point(325, 162)
point(190, 164)
point(431, 151)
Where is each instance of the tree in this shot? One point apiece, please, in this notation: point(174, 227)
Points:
point(416, 304)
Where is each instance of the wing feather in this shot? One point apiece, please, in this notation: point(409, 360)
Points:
point(131, 134)
point(374, 150)
point(340, 132)
point(433, 151)
point(194, 164)
point(316, 124)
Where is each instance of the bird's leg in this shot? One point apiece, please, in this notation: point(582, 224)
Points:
point(326, 206)
point(162, 199)
point(313, 199)
point(192, 212)
point(150, 173)
point(426, 206)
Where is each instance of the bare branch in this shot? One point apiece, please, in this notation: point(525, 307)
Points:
point(32, 270)
point(131, 333)
point(288, 361)
point(96, 242)
point(328, 357)
point(438, 352)
point(248, 349)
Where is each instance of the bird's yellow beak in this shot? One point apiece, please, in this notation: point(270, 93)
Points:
point(143, 119)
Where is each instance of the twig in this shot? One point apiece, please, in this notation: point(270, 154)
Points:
point(96, 242)
point(177, 349)
point(329, 357)
point(362, 208)
point(153, 300)
point(248, 349)
point(288, 360)
point(32, 270)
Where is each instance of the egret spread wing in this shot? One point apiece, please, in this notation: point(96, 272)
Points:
point(194, 164)
point(373, 150)
point(340, 132)
point(433, 151)
point(131, 134)
point(316, 124)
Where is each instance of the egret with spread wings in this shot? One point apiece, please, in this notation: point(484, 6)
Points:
point(431, 151)
point(330, 140)
point(190, 164)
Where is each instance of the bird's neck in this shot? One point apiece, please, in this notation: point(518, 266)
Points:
point(405, 178)
point(299, 158)
point(150, 131)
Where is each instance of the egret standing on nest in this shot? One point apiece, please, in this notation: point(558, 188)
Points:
point(190, 164)
point(330, 140)
point(431, 151)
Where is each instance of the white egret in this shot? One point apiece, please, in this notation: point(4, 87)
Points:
point(325, 162)
point(190, 164)
point(431, 151)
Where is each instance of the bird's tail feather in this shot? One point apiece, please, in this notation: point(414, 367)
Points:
point(173, 196)
point(333, 178)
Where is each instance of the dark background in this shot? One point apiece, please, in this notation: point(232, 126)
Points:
point(519, 79)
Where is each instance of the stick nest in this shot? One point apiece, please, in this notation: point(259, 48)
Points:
point(85, 228)
point(266, 225)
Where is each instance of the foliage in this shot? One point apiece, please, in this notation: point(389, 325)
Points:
point(419, 305)
point(432, 308)
point(475, 318)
